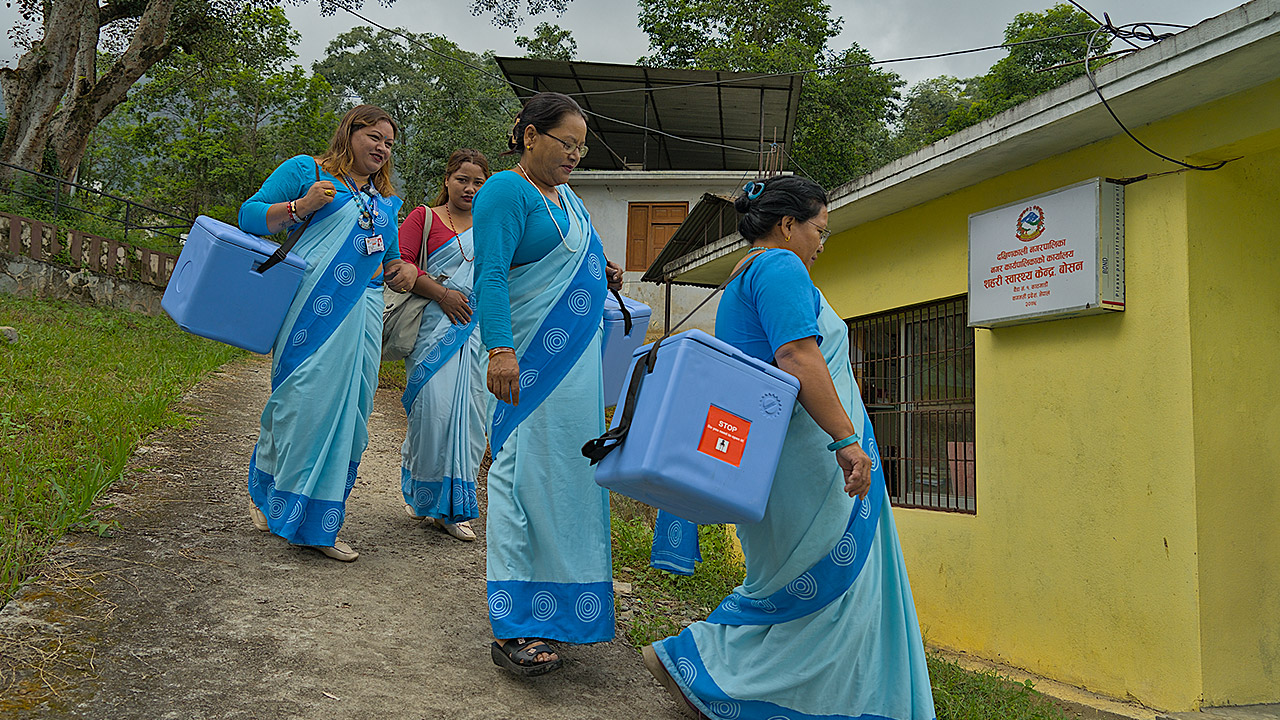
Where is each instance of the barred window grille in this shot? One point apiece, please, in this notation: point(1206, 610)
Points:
point(915, 368)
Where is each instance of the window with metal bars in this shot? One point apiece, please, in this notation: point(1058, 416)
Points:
point(915, 368)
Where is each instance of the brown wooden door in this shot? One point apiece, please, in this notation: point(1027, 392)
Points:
point(649, 227)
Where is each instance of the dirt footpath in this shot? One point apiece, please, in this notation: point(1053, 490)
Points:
point(189, 612)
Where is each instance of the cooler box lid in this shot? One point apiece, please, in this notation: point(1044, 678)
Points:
point(703, 338)
point(639, 311)
point(235, 236)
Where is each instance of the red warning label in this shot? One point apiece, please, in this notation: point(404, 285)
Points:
point(725, 436)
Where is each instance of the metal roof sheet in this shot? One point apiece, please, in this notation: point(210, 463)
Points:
point(727, 108)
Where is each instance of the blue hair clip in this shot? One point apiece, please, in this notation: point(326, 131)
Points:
point(753, 190)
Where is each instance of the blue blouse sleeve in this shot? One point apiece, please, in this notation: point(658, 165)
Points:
point(784, 297)
point(287, 182)
point(498, 221)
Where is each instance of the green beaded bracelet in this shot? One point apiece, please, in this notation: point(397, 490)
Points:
point(836, 445)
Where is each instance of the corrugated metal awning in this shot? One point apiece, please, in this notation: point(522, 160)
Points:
point(727, 108)
point(707, 238)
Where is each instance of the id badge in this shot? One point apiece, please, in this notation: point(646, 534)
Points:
point(373, 244)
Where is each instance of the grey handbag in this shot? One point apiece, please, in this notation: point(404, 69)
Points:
point(402, 311)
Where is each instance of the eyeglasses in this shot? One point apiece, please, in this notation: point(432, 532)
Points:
point(582, 149)
point(823, 233)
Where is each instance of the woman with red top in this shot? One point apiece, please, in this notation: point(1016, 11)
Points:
point(445, 393)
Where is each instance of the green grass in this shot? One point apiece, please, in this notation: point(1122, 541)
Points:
point(960, 694)
point(77, 391)
point(391, 375)
point(661, 604)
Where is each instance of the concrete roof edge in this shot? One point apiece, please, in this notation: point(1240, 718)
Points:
point(589, 177)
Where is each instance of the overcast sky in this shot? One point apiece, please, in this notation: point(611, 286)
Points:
point(606, 30)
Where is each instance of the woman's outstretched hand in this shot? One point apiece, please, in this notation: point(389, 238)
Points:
point(857, 469)
point(504, 377)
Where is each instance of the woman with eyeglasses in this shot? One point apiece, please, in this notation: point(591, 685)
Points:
point(324, 365)
point(444, 396)
point(541, 282)
point(823, 625)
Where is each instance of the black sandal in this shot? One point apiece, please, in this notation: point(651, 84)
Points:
point(520, 656)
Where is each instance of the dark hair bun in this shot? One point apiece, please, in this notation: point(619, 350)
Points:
point(765, 202)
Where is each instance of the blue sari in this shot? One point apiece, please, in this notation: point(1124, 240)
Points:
point(444, 399)
point(324, 364)
point(549, 565)
point(823, 626)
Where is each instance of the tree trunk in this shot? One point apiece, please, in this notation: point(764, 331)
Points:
point(90, 99)
point(34, 89)
point(55, 96)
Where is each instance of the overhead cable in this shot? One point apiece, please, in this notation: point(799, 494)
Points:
point(1134, 31)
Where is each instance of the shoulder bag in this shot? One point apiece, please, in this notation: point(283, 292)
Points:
point(402, 311)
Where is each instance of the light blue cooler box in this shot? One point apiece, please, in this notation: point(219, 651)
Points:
point(706, 433)
point(618, 345)
point(216, 292)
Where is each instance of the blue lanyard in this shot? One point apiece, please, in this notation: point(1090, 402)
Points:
point(367, 212)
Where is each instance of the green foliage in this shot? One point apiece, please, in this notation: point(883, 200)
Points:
point(508, 13)
point(549, 42)
point(842, 127)
point(765, 36)
point(206, 127)
point(439, 104)
point(929, 106)
point(944, 105)
point(1023, 74)
point(77, 392)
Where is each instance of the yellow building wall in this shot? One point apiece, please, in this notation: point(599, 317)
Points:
point(1083, 561)
point(1234, 222)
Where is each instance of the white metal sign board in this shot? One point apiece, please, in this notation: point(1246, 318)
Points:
point(1048, 257)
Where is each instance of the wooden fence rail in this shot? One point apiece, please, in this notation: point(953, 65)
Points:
point(49, 243)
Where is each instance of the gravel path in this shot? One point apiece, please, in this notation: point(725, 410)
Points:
point(188, 612)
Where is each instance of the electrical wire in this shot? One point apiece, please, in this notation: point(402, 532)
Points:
point(799, 167)
point(1135, 31)
point(832, 68)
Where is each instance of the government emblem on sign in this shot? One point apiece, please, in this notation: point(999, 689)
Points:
point(1031, 224)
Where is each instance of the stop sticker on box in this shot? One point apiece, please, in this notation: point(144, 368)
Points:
point(725, 436)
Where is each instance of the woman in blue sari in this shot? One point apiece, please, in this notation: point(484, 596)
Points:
point(541, 281)
point(823, 625)
point(444, 398)
point(324, 365)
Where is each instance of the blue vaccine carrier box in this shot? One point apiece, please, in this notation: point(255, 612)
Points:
point(216, 292)
point(619, 345)
point(706, 433)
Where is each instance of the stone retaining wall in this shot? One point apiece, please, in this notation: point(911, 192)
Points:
point(25, 277)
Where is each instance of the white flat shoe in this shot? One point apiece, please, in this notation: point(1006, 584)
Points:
point(461, 531)
point(259, 520)
point(339, 551)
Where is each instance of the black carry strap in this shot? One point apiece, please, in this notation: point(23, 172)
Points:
point(290, 241)
point(626, 314)
point(596, 449)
